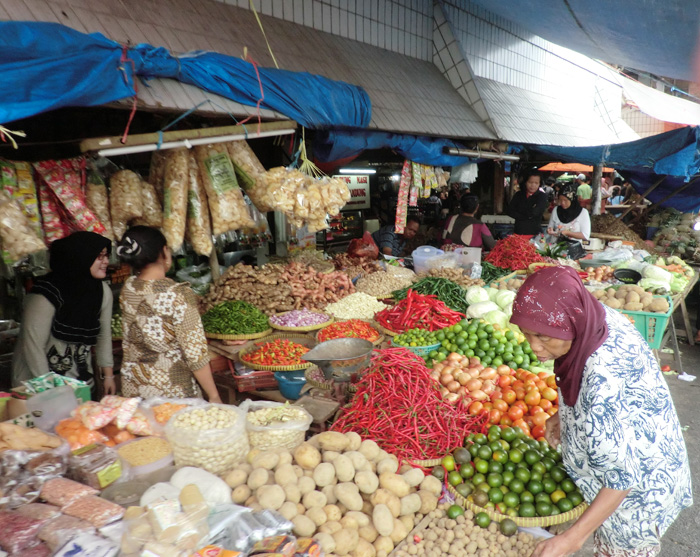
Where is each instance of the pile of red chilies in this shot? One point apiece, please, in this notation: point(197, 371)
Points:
point(399, 406)
point(514, 252)
point(418, 311)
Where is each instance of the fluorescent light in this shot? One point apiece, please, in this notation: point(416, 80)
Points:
point(696, 226)
point(480, 154)
point(357, 171)
point(189, 143)
point(395, 177)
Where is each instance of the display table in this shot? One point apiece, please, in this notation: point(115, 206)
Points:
point(670, 334)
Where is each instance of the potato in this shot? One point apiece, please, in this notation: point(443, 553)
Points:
point(252, 453)
point(329, 492)
point(346, 541)
point(298, 470)
point(250, 501)
point(354, 441)
point(621, 294)
point(349, 522)
point(407, 522)
point(314, 499)
point(301, 509)
point(330, 456)
point(304, 527)
point(255, 507)
point(368, 533)
point(307, 456)
point(331, 527)
point(369, 449)
point(632, 297)
point(288, 510)
point(367, 481)
point(598, 294)
point(659, 305)
point(429, 501)
point(271, 497)
point(344, 470)
point(613, 303)
point(343, 508)
point(333, 441)
point(399, 533)
point(326, 542)
point(306, 485)
point(413, 477)
point(383, 496)
point(349, 495)
point(285, 475)
point(384, 543)
point(364, 549)
point(247, 468)
point(390, 464)
point(367, 507)
point(313, 441)
point(318, 515)
point(324, 474)
point(361, 518)
point(410, 504)
point(240, 494)
point(646, 299)
point(332, 512)
point(633, 306)
point(258, 478)
point(236, 477)
point(285, 458)
point(292, 493)
point(611, 292)
point(383, 520)
point(432, 485)
point(359, 461)
point(394, 483)
point(268, 460)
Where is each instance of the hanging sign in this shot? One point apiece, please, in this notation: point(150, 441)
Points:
point(359, 191)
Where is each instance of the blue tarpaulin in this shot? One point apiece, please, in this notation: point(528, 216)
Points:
point(674, 154)
point(48, 66)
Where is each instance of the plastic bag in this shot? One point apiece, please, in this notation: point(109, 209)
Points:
point(198, 221)
point(124, 200)
point(97, 511)
point(152, 211)
point(17, 531)
point(286, 430)
point(125, 407)
point(54, 228)
point(19, 239)
point(62, 491)
point(96, 466)
point(226, 205)
point(97, 200)
point(115, 435)
point(199, 276)
point(175, 184)
point(16, 465)
point(94, 415)
point(363, 247)
point(20, 491)
point(139, 424)
point(249, 170)
point(77, 435)
point(62, 529)
point(39, 511)
point(156, 172)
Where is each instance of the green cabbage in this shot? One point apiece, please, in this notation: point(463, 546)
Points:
point(504, 297)
point(478, 310)
point(657, 273)
point(493, 292)
point(496, 317)
point(476, 294)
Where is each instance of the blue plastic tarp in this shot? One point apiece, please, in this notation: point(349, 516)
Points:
point(53, 66)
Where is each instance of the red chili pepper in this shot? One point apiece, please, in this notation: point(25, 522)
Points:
point(280, 352)
point(418, 310)
point(351, 328)
point(514, 252)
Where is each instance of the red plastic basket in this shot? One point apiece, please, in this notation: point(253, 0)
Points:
point(256, 381)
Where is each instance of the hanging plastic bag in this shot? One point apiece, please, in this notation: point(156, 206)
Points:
point(198, 221)
point(175, 185)
point(152, 212)
point(18, 237)
point(156, 172)
point(363, 247)
point(249, 170)
point(124, 200)
point(97, 200)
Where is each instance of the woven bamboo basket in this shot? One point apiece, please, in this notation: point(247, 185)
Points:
point(387, 331)
point(252, 336)
point(307, 329)
point(299, 338)
point(427, 463)
point(527, 522)
point(375, 326)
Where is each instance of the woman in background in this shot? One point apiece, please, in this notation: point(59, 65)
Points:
point(165, 350)
point(467, 230)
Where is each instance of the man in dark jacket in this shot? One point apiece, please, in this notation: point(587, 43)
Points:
point(527, 206)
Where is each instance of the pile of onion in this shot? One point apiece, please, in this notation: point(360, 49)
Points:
point(466, 379)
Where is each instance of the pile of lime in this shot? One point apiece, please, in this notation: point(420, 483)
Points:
point(493, 346)
point(510, 473)
point(416, 337)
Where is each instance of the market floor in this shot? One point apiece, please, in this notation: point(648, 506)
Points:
point(682, 539)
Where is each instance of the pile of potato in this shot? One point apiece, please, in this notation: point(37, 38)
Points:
point(510, 284)
point(348, 494)
point(631, 297)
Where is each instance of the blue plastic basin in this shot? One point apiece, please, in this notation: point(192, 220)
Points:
point(291, 383)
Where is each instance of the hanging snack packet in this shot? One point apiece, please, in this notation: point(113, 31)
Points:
point(19, 239)
point(175, 184)
point(156, 173)
point(124, 199)
point(26, 195)
point(54, 228)
point(226, 204)
point(249, 170)
point(97, 200)
point(198, 222)
point(152, 212)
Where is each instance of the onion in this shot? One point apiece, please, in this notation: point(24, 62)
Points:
point(488, 386)
point(448, 369)
point(453, 386)
point(299, 318)
point(438, 366)
point(435, 375)
point(478, 395)
point(454, 357)
point(488, 373)
point(473, 373)
point(444, 392)
point(473, 385)
point(503, 369)
point(452, 398)
point(462, 391)
point(446, 378)
point(462, 377)
point(474, 361)
point(464, 362)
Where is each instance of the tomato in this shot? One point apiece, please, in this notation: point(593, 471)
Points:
point(535, 410)
point(520, 404)
point(495, 416)
point(549, 393)
point(545, 404)
point(541, 385)
point(528, 421)
point(522, 425)
point(532, 398)
point(505, 420)
point(666, 368)
point(530, 384)
point(520, 393)
point(540, 418)
point(501, 405)
point(552, 411)
point(538, 432)
point(509, 396)
point(543, 375)
point(551, 381)
point(517, 384)
point(504, 381)
point(488, 405)
point(515, 413)
point(475, 407)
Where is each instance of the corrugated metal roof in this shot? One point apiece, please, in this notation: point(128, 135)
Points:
point(522, 116)
point(408, 95)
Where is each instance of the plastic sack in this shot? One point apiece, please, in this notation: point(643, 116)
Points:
point(20, 491)
point(96, 466)
point(77, 435)
point(175, 185)
point(97, 200)
point(124, 200)
point(60, 530)
point(249, 170)
point(198, 231)
point(97, 511)
point(62, 491)
point(19, 239)
point(17, 531)
point(226, 205)
point(156, 172)
point(274, 425)
point(216, 448)
point(152, 211)
point(363, 247)
point(39, 511)
point(199, 277)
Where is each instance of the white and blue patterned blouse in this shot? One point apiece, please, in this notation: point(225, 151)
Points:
point(623, 433)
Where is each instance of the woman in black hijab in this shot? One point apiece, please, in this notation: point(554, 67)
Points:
point(568, 218)
point(67, 312)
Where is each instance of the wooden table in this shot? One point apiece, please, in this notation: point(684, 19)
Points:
point(679, 301)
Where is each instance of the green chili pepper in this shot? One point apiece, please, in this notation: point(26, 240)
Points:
point(235, 318)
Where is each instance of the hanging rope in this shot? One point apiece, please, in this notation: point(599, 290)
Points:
point(6, 135)
point(124, 60)
point(269, 48)
point(308, 167)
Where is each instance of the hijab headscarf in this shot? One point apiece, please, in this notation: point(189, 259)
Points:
point(554, 302)
point(71, 288)
point(567, 215)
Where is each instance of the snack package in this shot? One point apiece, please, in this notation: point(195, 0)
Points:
point(94, 415)
point(248, 170)
point(39, 511)
point(97, 200)
point(279, 545)
point(54, 228)
point(126, 407)
point(226, 204)
point(198, 222)
point(17, 492)
point(215, 551)
point(26, 195)
point(77, 435)
point(175, 186)
point(124, 200)
point(17, 531)
point(116, 435)
point(402, 204)
point(152, 211)
point(60, 530)
point(62, 491)
point(8, 177)
point(139, 424)
point(18, 237)
point(96, 466)
point(157, 172)
point(97, 511)
point(308, 547)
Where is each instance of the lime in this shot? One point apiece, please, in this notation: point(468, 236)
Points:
point(466, 471)
point(557, 474)
point(482, 519)
point(485, 452)
point(548, 463)
point(534, 487)
point(494, 480)
point(448, 463)
point(453, 478)
point(567, 485)
point(516, 486)
point(509, 466)
point(549, 485)
point(542, 497)
point(536, 476)
point(565, 504)
point(508, 527)
point(523, 474)
point(495, 445)
point(557, 495)
point(494, 431)
point(511, 500)
point(508, 477)
point(454, 511)
point(539, 468)
point(461, 455)
point(515, 455)
point(495, 495)
point(575, 497)
point(438, 472)
point(544, 509)
point(508, 434)
point(478, 478)
point(481, 465)
point(480, 439)
point(483, 486)
point(519, 433)
point(527, 497)
point(511, 512)
point(496, 467)
point(500, 456)
point(480, 498)
point(464, 489)
point(526, 509)
point(532, 456)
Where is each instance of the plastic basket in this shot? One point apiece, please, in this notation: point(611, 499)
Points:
point(256, 381)
point(651, 326)
point(421, 351)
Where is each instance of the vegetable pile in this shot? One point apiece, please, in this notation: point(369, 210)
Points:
point(279, 352)
point(299, 318)
point(416, 337)
point(444, 289)
point(235, 318)
point(491, 273)
point(513, 252)
point(315, 290)
point(610, 224)
point(353, 328)
point(399, 406)
point(381, 284)
point(117, 329)
point(455, 275)
point(356, 306)
point(630, 297)
point(417, 311)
